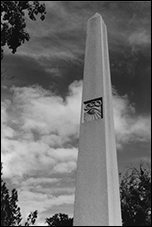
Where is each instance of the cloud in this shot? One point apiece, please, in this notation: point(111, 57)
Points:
point(31, 158)
point(48, 113)
point(140, 37)
point(62, 35)
point(38, 128)
point(128, 126)
point(63, 39)
point(53, 71)
point(37, 181)
point(3, 111)
point(30, 201)
point(65, 167)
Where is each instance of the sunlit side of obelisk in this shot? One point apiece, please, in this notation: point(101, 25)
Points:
point(97, 199)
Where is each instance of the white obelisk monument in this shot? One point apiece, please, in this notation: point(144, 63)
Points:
point(97, 199)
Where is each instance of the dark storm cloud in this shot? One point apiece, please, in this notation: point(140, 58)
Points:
point(56, 49)
point(62, 35)
point(25, 70)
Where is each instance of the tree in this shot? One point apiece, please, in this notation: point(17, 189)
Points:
point(59, 220)
point(31, 218)
point(10, 211)
point(13, 24)
point(135, 192)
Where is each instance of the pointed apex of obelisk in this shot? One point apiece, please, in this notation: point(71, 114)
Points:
point(95, 16)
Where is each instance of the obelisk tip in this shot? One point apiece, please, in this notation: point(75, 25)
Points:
point(95, 16)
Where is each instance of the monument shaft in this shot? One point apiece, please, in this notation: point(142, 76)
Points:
point(97, 199)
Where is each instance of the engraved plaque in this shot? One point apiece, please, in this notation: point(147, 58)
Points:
point(92, 110)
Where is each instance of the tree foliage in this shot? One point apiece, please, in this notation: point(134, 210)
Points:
point(135, 192)
point(59, 220)
point(13, 22)
point(10, 211)
point(31, 218)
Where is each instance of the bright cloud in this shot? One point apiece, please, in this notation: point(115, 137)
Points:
point(38, 128)
point(46, 113)
point(128, 126)
point(24, 157)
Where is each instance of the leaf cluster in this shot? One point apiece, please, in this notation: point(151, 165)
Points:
point(31, 218)
point(13, 22)
point(59, 220)
point(10, 211)
point(135, 192)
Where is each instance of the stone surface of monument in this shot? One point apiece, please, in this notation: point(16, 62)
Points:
point(97, 198)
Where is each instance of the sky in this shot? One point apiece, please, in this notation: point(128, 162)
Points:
point(41, 99)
